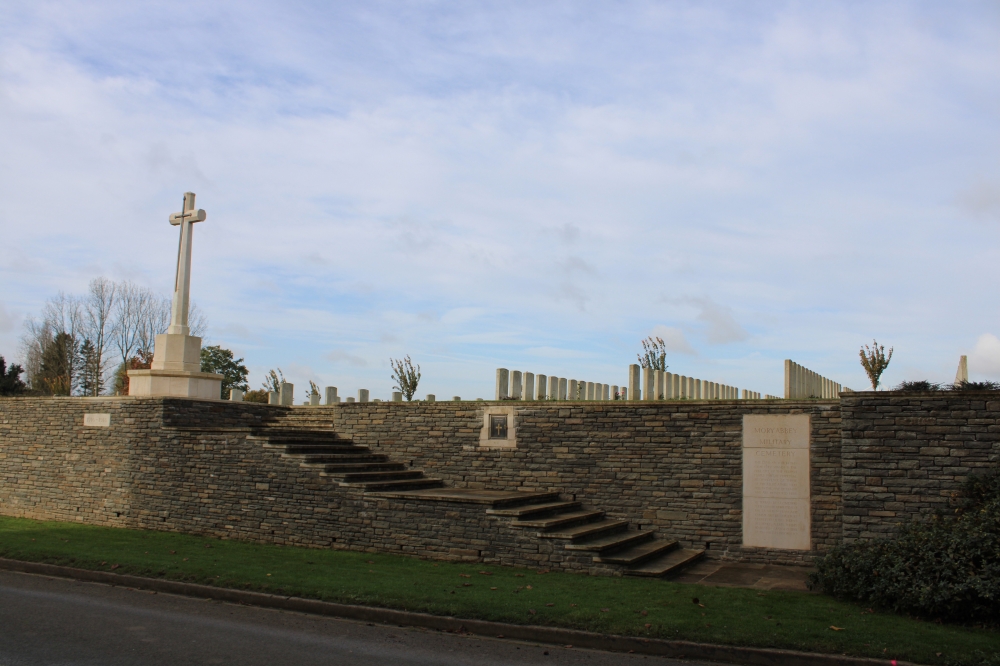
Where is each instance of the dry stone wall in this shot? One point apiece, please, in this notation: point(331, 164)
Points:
point(675, 466)
point(186, 465)
point(907, 454)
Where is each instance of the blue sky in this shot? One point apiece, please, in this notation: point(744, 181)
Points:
point(536, 186)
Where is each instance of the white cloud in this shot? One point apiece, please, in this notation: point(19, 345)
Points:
point(984, 361)
point(340, 356)
point(674, 340)
point(8, 320)
point(539, 173)
point(981, 200)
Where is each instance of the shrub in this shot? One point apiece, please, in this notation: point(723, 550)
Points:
point(259, 395)
point(920, 385)
point(946, 567)
point(975, 386)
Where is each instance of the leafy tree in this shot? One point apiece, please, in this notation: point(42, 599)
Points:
point(10, 379)
point(405, 375)
point(142, 360)
point(874, 361)
point(654, 354)
point(220, 361)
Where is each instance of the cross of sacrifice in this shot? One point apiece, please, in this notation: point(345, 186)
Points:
point(182, 283)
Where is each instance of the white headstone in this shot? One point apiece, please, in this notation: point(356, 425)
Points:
point(362, 395)
point(236, 395)
point(286, 393)
point(503, 377)
point(542, 386)
point(331, 395)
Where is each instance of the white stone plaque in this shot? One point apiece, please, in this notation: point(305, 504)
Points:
point(776, 497)
point(97, 420)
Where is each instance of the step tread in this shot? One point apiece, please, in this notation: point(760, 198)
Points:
point(614, 541)
point(665, 564)
point(376, 486)
point(529, 509)
point(561, 519)
point(638, 553)
point(584, 531)
point(355, 467)
point(363, 477)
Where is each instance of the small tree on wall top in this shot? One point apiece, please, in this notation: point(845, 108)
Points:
point(405, 375)
point(875, 361)
point(654, 354)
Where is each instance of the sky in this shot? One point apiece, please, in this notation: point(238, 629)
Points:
point(534, 186)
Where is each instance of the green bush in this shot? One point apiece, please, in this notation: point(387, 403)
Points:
point(945, 567)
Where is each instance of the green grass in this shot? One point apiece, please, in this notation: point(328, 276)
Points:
point(627, 606)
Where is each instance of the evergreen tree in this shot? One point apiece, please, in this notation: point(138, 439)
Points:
point(10, 379)
point(55, 372)
point(88, 374)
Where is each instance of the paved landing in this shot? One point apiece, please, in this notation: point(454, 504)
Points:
point(757, 576)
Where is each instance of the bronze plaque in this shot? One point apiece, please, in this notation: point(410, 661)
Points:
point(498, 426)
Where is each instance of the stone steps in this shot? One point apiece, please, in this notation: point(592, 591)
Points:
point(569, 519)
point(349, 468)
point(610, 541)
point(366, 477)
point(342, 461)
point(636, 554)
point(536, 510)
point(588, 531)
point(388, 486)
point(671, 562)
point(338, 458)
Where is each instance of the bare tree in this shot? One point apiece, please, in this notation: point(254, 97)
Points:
point(62, 323)
point(97, 309)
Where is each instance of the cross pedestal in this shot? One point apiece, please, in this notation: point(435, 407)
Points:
point(176, 366)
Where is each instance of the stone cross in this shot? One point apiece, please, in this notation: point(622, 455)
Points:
point(182, 283)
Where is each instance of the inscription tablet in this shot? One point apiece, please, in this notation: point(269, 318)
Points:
point(776, 494)
point(97, 420)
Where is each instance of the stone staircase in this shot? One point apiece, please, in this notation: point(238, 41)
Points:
point(342, 461)
point(583, 533)
point(590, 533)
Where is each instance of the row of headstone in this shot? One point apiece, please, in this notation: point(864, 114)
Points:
point(651, 384)
point(517, 385)
point(802, 383)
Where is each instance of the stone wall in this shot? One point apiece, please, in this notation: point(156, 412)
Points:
point(906, 454)
point(186, 465)
point(675, 466)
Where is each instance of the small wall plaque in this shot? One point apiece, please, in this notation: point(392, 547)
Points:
point(97, 420)
point(498, 426)
point(499, 429)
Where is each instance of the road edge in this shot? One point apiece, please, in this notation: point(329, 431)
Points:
point(550, 635)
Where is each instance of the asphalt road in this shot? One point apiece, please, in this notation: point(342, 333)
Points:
point(56, 621)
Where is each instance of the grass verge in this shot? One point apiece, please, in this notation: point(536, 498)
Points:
point(626, 606)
